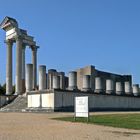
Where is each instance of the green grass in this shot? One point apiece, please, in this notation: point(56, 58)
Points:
point(130, 121)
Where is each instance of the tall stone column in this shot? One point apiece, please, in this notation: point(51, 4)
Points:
point(9, 67)
point(23, 68)
point(127, 87)
point(136, 90)
point(86, 83)
point(109, 86)
point(72, 80)
point(18, 65)
point(42, 77)
point(119, 88)
point(29, 77)
point(56, 82)
point(34, 61)
point(98, 85)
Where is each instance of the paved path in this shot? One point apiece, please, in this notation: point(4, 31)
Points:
point(35, 126)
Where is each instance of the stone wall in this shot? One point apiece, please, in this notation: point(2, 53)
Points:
point(5, 99)
point(90, 70)
point(64, 100)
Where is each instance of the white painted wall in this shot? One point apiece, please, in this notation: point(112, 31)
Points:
point(48, 100)
point(29, 98)
point(34, 100)
point(41, 100)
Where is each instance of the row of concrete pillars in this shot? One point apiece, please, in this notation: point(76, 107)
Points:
point(42, 78)
point(120, 88)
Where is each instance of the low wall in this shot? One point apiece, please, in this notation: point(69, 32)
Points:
point(64, 100)
point(5, 99)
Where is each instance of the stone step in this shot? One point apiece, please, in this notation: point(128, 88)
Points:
point(19, 104)
point(38, 110)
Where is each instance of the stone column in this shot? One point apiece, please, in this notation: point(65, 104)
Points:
point(109, 86)
point(127, 87)
point(29, 77)
point(136, 90)
point(62, 80)
point(46, 81)
point(86, 83)
point(34, 61)
point(119, 88)
point(72, 80)
point(56, 82)
point(23, 68)
point(18, 65)
point(98, 85)
point(9, 67)
point(51, 72)
point(42, 77)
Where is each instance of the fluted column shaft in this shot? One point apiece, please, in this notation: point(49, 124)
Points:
point(42, 77)
point(86, 82)
point(34, 61)
point(56, 82)
point(29, 77)
point(9, 68)
point(18, 65)
point(72, 80)
point(23, 68)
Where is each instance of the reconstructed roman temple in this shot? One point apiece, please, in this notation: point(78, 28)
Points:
point(55, 91)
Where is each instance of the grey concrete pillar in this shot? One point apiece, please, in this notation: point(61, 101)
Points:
point(136, 90)
point(29, 77)
point(51, 72)
point(119, 88)
point(46, 81)
point(98, 85)
point(34, 61)
point(18, 65)
point(62, 80)
point(23, 68)
point(56, 82)
point(42, 77)
point(109, 86)
point(86, 83)
point(128, 88)
point(9, 67)
point(72, 80)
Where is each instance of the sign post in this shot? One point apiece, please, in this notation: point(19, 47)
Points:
point(81, 107)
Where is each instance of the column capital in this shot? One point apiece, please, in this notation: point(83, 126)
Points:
point(18, 37)
point(34, 48)
point(9, 42)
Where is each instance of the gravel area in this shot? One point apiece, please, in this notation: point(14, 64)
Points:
point(36, 126)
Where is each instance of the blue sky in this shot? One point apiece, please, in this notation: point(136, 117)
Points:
point(76, 33)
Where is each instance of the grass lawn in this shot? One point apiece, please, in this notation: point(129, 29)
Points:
point(130, 121)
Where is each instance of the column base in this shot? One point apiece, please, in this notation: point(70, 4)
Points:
point(98, 90)
point(16, 93)
point(86, 89)
point(119, 92)
point(128, 93)
point(73, 88)
point(8, 93)
point(109, 91)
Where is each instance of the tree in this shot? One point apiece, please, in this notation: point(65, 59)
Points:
point(3, 89)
